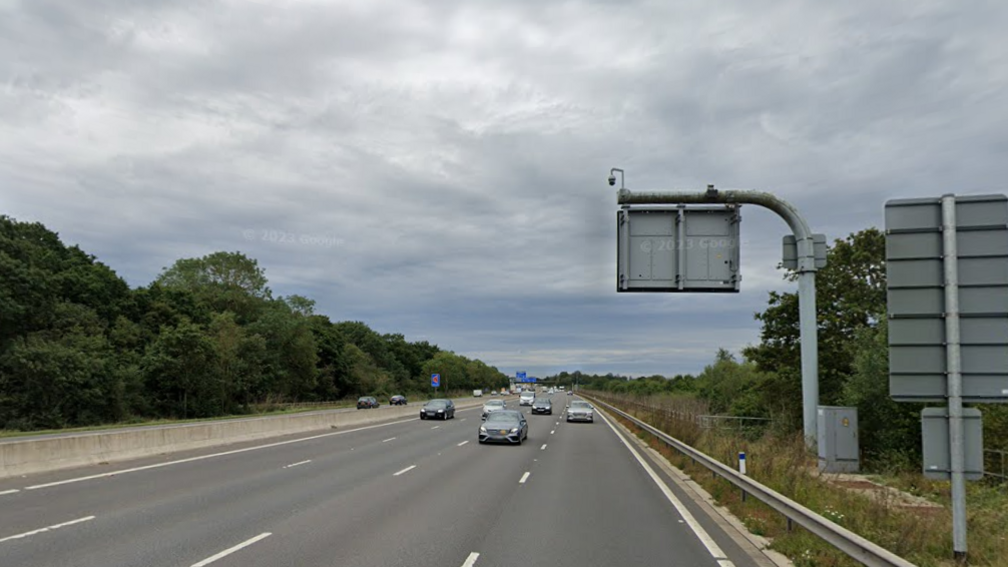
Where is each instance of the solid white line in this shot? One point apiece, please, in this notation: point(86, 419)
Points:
point(298, 464)
point(227, 552)
point(524, 478)
point(389, 439)
point(40, 530)
point(471, 560)
point(202, 457)
point(543, 448)
point(701, 533)
point(12, 491)
point(405, 470)
point(463, 443)
point(436, 427)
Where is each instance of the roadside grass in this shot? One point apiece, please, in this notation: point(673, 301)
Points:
point(920, 534)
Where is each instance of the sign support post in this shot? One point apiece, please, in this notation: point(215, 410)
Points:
point(954, 368)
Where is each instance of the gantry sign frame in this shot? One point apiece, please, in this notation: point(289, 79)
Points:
point(806, 265)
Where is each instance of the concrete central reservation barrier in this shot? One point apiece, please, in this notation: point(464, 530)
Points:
point(45, 454)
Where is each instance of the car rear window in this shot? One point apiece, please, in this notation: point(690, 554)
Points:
point(500, 417)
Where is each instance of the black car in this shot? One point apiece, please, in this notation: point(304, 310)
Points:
point(438, 409)
point(367, 402)
point(397, 401)
point(542, 405)
point(504, 426)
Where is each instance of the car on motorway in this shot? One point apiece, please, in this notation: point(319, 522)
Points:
point(438, 409)
point(526, 398)
point(579, 410)
point(542, 405)
point(570, 392)
point(493, 405)
point(397, 401)
point(367, 402)
point(504, 426)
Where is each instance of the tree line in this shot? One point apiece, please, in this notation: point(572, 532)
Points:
point(78, 346)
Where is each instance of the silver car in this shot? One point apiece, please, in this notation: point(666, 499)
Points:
point(580, 411)
point(493, 405)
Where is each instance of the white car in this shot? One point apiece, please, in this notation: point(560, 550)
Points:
point(526, 398)
point(493, 405)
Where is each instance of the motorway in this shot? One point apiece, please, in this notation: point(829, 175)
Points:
point(406, 492)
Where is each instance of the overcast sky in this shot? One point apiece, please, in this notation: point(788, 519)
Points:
point(439, 168)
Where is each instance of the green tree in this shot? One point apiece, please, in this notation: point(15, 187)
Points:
point(850, 295)
point(61, 376)
point(452, 369)
point(300, 304)
point(890, 432)
point(37, 272)
point(290, 363)
point(239, 357)
point(179, 369)
point(733, 387)
point(226, 281)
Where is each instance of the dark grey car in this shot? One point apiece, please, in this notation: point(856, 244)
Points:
point(579, 410)
point(504, 426)
point(438, 409)
point(542, 405)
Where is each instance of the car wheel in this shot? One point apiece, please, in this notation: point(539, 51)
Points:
point(422, 416)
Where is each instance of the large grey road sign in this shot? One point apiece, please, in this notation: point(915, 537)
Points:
point(678, 249)
point(916, 300)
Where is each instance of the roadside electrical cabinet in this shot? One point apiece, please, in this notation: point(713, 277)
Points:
point(839, 451)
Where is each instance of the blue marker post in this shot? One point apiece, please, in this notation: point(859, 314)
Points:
point(742, 469)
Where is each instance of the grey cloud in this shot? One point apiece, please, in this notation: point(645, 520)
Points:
point(440, 166)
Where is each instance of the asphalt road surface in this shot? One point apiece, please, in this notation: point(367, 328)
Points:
point(408, 492)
